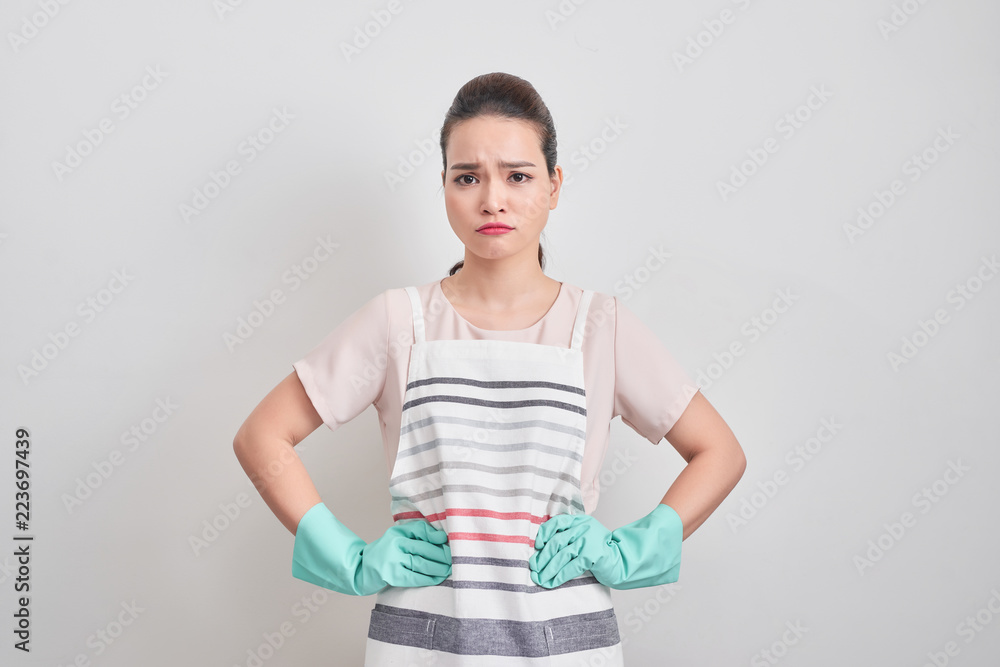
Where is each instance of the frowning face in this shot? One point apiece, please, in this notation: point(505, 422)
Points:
point(497, 174)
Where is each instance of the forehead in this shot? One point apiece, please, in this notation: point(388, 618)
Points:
point(490, 138)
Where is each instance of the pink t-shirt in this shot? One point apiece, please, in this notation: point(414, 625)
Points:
point(627, 369)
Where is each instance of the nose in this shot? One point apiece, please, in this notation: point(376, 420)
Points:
point(493, 197)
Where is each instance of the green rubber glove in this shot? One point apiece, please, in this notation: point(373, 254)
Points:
point(646, 552)
point(328, 554)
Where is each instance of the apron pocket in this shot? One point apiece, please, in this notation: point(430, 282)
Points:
point(582, 635)
point(401, 630)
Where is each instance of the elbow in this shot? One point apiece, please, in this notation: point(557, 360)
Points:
point(739, 462)
point(239, 442)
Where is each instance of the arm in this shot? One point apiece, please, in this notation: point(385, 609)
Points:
point(647, 552)
point(326, 552)
point(265, 447)
point(716, 463)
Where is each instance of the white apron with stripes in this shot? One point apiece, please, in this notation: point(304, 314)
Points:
point(491, 443)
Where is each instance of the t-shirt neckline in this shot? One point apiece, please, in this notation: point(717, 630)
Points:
point(558, 298)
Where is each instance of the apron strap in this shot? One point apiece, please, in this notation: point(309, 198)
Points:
point(581, 319)
point(418, 314)
point(578, 326)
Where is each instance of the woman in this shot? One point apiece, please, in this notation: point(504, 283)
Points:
point(495, 387)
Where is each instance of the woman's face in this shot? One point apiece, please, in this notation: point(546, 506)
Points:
point(496, 173)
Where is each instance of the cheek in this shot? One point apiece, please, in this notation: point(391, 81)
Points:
point(449, 201)
point(455, 211)
point(535, 203)
point(453, 198)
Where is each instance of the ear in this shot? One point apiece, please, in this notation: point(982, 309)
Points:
point(556, 181)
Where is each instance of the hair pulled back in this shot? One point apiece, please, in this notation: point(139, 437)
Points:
point(505, 96)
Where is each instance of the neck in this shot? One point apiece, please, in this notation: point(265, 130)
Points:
point(498, 285)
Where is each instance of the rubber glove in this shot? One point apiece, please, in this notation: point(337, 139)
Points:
point(328, 554)
point(646, 552)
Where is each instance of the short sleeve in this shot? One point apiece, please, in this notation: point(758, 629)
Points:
point(346, 372)
point(651, 388)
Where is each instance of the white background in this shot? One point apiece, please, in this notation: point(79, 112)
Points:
point(891, 80)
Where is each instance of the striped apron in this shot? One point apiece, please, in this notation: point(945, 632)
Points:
point(491, 444)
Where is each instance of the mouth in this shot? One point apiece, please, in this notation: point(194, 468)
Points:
point(493, 225)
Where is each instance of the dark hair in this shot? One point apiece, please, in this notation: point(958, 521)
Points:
point(505, 96)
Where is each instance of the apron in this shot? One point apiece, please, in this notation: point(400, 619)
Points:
point(491, 445)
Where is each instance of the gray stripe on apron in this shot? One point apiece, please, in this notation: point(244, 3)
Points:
point(506, 493)
point(482, 423)
point(508, 470)
point(487, 636)
point(484, 560)
point(444, 398)
point(515, 588)
point(489, 447)
point(497, 384)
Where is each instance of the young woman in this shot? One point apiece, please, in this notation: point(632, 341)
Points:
point(495, 387)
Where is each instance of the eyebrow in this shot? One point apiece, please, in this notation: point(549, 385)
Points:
point(472, 166)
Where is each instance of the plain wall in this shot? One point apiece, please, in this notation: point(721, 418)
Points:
point(844, 354)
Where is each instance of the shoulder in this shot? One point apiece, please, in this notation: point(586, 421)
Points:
point(604, 303)
point(600, 318)
point(610, 319)
point(399, 309)
point(601, 303)
point(397, 299)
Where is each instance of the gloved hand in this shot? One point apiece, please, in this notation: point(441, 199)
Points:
point(646, 552)
point(328, 554)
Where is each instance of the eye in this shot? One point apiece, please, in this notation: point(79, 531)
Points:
point(524, 178)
